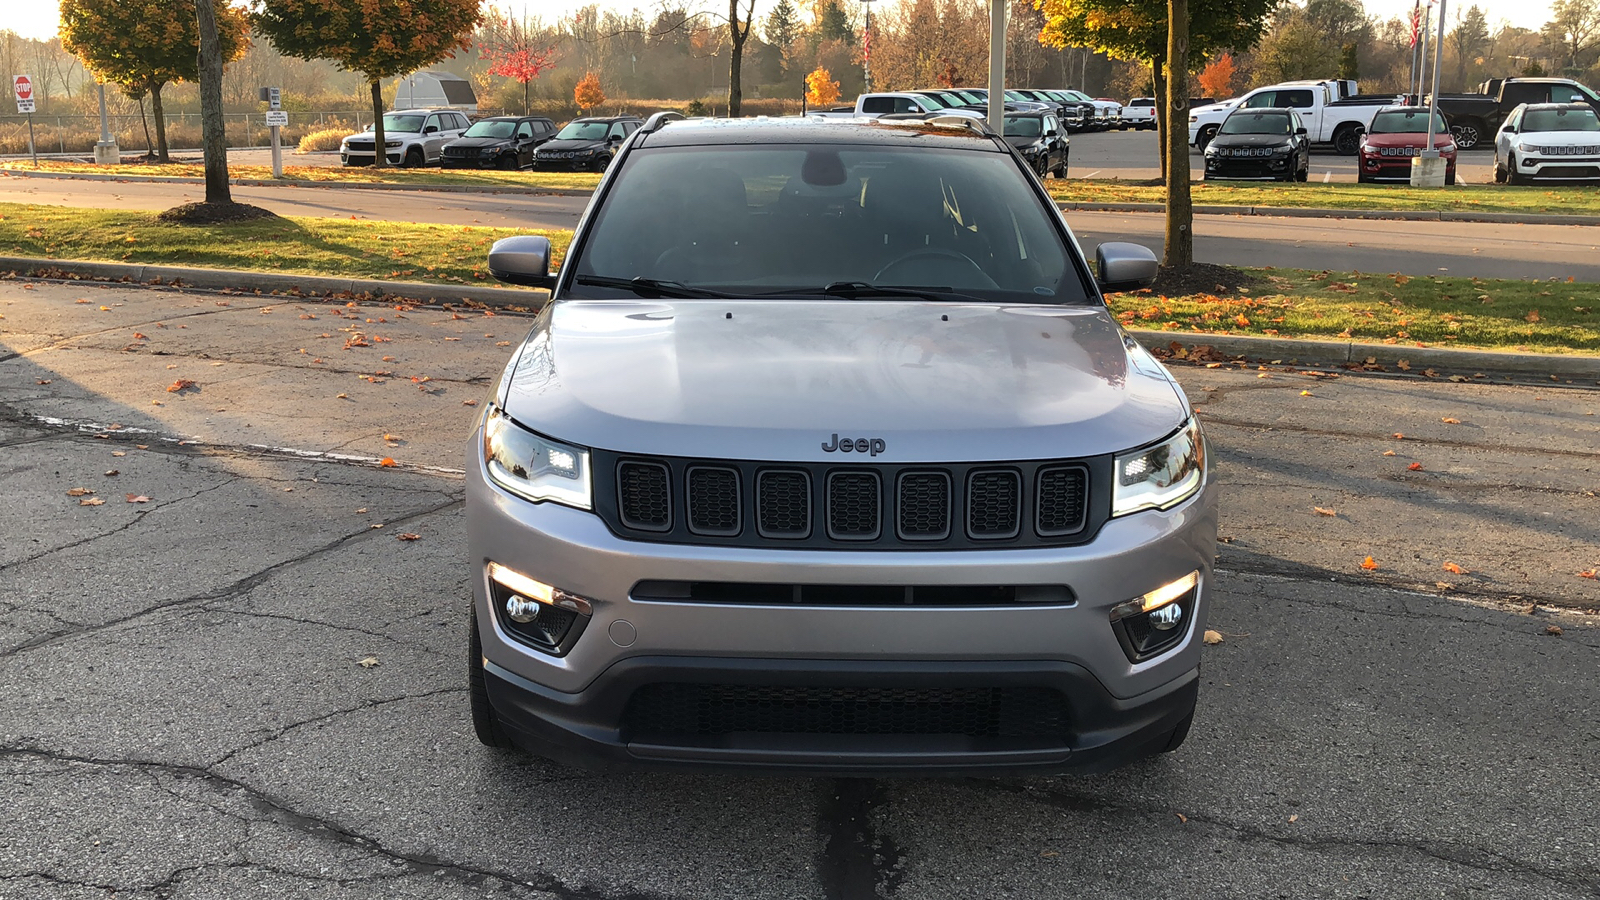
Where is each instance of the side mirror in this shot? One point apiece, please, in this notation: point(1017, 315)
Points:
point(615, 139)
point(1510, 129)
point(1122, 266)
point(431, 129)
point(1300, 130)
point(522, 259)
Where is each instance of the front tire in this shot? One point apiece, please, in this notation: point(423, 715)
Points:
point(1499, 171)
point(414, 159)
point(484, 721)
point(1512, 175)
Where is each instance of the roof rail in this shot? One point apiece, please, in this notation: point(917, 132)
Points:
point(657, 120)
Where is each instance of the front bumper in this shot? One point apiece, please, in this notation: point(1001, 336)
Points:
point(1250, 167)
point(365, 157)
point(471, 162)
point(1394, 168)
point(1573, 168)
point(575, 163)
point(573, 707)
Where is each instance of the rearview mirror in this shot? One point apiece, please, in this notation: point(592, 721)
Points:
point(1123, 266)
point(523, 259)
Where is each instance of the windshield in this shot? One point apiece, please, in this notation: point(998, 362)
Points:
point(392, 124)
point(934, 101)
point(1076, 95)
point(1256, 123)
point(1406, 121)
point(1560, 120)
point(584, 131)
point(1023, 126)
point(756, 220)
point(491, 129)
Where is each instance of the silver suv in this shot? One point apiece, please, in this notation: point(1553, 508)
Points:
point(413, 137)
point(826, 456)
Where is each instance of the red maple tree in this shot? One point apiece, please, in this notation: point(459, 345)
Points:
point(515, 49)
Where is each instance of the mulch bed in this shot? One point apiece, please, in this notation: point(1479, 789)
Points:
point(214, 213)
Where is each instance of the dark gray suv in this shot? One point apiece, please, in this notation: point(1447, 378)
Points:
point(826, 456)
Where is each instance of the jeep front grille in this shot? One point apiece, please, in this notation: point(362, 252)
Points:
point(857, 506)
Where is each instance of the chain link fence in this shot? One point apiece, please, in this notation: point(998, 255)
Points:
point(77, 135)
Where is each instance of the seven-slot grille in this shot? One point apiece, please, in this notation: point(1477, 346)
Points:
point(912, 506)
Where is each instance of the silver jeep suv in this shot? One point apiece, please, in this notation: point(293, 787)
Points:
point(826, 456)
point(412, 137)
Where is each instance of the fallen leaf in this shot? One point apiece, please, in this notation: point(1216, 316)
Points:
point(387, 463)
point(362, 510)
point(91, 501)
point(138, 498)
point(1553, 630)
point(1444, 585)
point(1369, 564)
point(1414, 467)
point(368, 662)
point(1182, 818)
point(342, 397)
point(391, 437)
point(408, 536)
point(1403, 365)
point(119, 453)
point(1305, 393)
point(79, 492)
point(111, 472)
point(1212, 637)
point(1294, 818)
point(469, 403)
point(1590, 573)
point(1449, 421)
point(43, 381)
point(1453, 569)
point(1324, 512)
point(1398, 436)
point(142, 446)
point(181, 385)
point(1388, 453)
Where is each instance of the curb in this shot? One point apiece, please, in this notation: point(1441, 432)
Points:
point(1311, 351)
point(1310, 212)
point(273, 282)
point(1296, 351)
point(288, 182)
point(1306, 212)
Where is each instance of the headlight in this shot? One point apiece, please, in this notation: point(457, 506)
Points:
point(1532, 148)
point(533, 466)
point(1160, 476)
point(489, 151)
point(391, 143)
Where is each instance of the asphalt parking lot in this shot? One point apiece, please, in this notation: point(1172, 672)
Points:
point(246, 684)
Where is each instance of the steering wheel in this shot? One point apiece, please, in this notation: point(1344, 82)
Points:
point(935, 253)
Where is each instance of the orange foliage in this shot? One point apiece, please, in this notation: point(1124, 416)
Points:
point(1216, 79)
point(588, 93)
point(821, 89)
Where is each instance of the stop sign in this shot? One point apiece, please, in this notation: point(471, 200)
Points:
point(24, 87)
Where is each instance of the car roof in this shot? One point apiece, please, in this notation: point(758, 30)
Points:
point(1401, 107)
point(1252, 110)
point(811, 130)
point(608, 119)
point(422, 111)
point(1567, 106)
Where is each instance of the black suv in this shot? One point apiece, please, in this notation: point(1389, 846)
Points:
point(499, 142)
point(587, 143)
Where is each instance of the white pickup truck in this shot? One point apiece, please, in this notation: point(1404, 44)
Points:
point(1328, 119)
point(871, 106)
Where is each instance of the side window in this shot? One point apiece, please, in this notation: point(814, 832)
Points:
point(462, 123)
point(432, 122)
point(617, 131)
point(1050, 124)
point(906, 105)
point(877, 105)
point(1525, 93)
point(524, 130)
point(1262, 100)
point(1295, 99)
point(630, 127)
point(1561, 93)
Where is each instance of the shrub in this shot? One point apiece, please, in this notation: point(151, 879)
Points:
point(325, 139)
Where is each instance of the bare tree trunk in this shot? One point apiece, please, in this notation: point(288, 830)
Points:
point(736, 55)
point(161, 122)
point(149, 148)
point(1158, 81)
point(1180, 206)
point(213, 127)
point(380, 153)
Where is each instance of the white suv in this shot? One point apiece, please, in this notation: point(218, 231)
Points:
point(411, 137)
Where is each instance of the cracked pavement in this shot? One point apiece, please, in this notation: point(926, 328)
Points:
point(184, 712)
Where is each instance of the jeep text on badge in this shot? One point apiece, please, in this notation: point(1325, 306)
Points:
point(874, 446)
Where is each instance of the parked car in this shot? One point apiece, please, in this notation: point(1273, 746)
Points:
point(1041, 140)
point(859, 475)
point(1397, 134)
point(1328, 119)
point(869, 106)
point(586, 143)
point(1258, 143)
point(1548, 141)
point(1107, 113)
point(411, 137)
point(500, 142)
point(1140, 112)
point(1473, 117)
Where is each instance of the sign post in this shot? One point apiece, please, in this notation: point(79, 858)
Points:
point(23, 85)
point(276, 118)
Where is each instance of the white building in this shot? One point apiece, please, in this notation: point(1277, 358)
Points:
point(424, 89)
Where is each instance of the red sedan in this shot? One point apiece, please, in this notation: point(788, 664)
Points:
point(1397, 134)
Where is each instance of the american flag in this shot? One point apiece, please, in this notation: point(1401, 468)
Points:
point(1416, 22)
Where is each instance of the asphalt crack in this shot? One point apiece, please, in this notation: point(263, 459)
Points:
point(280, 733)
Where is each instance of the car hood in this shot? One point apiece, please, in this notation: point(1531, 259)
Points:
point(1441, 140)
point(556, 146)
point(1214, 108)
point(774, 380)
point(469, 142)
point(1020, 141)
point(387, 135)
point(1250, 140)
point(1559, 138)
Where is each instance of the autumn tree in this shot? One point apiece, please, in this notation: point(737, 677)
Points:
point(213, 127)
point(378, 38)
point(1574, 26)
point(1468, 39)
point(821, 89)
point(518, 49)
point(145, 45)
point(782, 28)
point(737, 35)
point(588, 94)
point(1216, 79)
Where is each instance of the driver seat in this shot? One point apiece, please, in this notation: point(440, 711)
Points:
point(906, 210)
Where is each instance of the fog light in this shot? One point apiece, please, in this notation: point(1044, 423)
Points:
point(1150, 625)
point(521, 610)
point(1167, 617)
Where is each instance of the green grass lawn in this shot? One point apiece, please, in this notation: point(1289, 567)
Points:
point(1397, 309)
point(486, 179)
point(1385, 309)
point(338, 247)
point(1563, 199)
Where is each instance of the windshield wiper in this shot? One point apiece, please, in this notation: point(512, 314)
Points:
point(853, 290)
point(650, 287)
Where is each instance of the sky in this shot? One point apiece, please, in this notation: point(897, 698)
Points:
point(39, 18)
